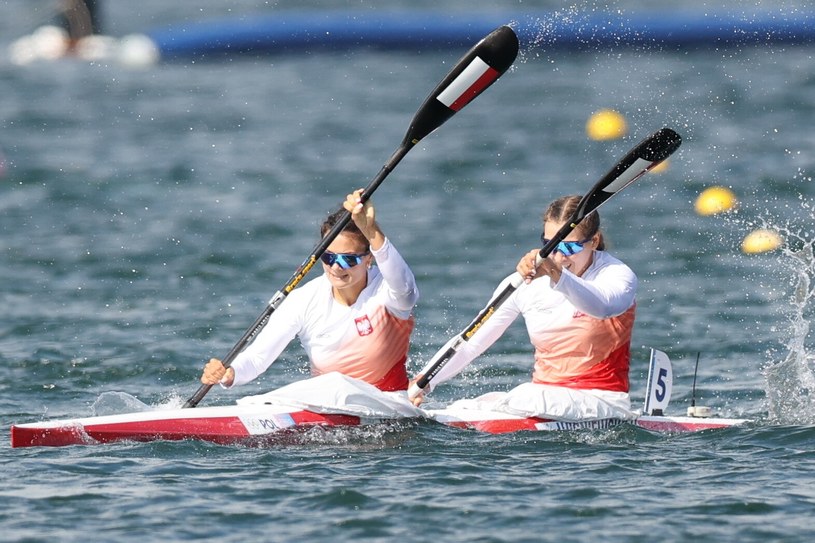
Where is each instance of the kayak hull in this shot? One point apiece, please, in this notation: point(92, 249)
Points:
point(238, 424)
point(663, 424)
point(224, 425)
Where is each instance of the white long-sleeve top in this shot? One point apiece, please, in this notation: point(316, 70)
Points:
point(367, 340)
point(580, 327)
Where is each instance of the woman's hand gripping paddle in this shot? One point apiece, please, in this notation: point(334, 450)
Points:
point(647, 154)
point(479, 68)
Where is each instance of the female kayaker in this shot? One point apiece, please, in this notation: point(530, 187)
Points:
point(578, 306)
point(355, 319)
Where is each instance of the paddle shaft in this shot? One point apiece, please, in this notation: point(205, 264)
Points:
point(647, 154)
point(479, 68)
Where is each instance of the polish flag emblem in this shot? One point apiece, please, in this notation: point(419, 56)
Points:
point(475, 78)
point(364, 327)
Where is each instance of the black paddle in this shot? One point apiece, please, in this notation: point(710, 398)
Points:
point(647, 154)
point(477, 70)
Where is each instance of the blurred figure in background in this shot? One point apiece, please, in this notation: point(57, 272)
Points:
point(74, 29)
point(79, 18)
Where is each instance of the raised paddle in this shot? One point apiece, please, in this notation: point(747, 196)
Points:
point(647, 154)
point(479, 68)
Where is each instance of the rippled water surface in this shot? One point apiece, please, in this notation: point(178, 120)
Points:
point(148, 215)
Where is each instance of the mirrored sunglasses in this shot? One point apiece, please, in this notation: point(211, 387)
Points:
point(567, 248)
point(345, 260)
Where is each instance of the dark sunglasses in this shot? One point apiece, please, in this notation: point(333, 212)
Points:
point(345, 260)
point(567, 248)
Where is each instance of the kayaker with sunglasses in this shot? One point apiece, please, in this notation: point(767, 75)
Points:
point(578, 306)
point(355, 319)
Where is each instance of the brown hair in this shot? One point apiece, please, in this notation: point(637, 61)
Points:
point(351, 228)
point(561, 210)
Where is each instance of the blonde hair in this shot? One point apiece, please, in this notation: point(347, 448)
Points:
point(561, 211)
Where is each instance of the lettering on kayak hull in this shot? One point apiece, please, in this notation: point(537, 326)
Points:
point(582, 425)
point(266, 425)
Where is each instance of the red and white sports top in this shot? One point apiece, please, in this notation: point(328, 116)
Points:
point(368, 340)
point(580, 328)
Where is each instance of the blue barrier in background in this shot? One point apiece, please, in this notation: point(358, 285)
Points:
point(307, 31)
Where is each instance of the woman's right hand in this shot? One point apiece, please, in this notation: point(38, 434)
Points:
point(215, 373)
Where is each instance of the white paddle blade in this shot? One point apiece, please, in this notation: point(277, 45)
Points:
point(660, 384)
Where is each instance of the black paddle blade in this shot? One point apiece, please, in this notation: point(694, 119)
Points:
point(474, 73)
point(646, 155)
point(643, 157)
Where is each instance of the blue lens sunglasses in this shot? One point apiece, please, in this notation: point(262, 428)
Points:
point(567, 248)
point(345, 260)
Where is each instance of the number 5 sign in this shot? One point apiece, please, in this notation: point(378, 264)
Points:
point(660, 383)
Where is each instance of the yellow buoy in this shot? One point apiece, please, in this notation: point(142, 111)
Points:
point(606, 124)
point(661, 167)
point(761, 241)
point(715, 200)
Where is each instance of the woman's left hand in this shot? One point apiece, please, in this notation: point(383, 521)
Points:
point(527, 269)
point(363, 215)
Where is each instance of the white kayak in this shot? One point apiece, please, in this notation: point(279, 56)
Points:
point(293, 408)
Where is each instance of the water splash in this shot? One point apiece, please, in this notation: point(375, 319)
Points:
point(538, 34)
point(791, 382)
point(115, 403)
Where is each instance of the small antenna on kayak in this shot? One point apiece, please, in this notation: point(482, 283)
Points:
point(695, 372)
point(693, 411)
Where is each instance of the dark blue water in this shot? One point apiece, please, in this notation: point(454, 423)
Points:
point(148, 215)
